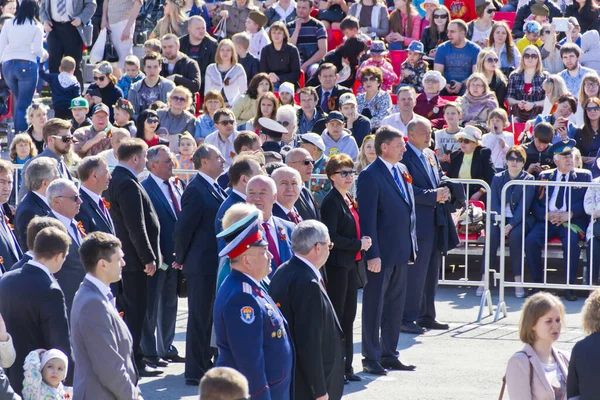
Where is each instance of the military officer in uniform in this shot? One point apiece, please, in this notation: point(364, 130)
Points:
point(252, 334)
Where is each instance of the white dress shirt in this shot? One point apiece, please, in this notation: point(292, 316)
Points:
point(285, 210)
point(552, 204)
point(67, 223)
point(165, 191)
point(396, 121)
point(389, 167)
point(210, 180)
point(225, 147)
point(54, 11)
point(104, 289)
point(93, 195)
point(242, 195)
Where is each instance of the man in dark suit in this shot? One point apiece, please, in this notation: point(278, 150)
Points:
point(426, 172)
point(102, 344)
point(165, 193)
point(328, 91)
point(10, 251)
point(37, 320)
point(301, 160)
point(196, 252)
point(262, 192)
point(34, 227)
point(385, 194)
point(40, 173)
point(289, 184)
point(58, 140)
point(199, 45)
point(564, 206)
point(65, 202)
point(298, 288)
point(93, 213)
point(137, 226)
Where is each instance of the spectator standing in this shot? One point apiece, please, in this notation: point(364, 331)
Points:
point(93, 212)
point(177, 119)
point(20, 45)
point(199, 46)
point(10, 251)
point(173, 21)
point(152, 88)
point(301, 160)
point(310, 36)
point(235, 13)
point(372, 16)
point(104, 90)
point(177, 67)
point(226, 75)
point(94, 139)
point(280, 59)
point(37, 115)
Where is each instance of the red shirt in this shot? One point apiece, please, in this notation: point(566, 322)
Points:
point(153, 142)
point(356, 220)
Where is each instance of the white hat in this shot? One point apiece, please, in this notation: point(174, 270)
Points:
point(470, 133)
point(271, 128)
point(55, 353)
point(434, 2)
point(348, 98)
point(315, 139)
point(437, 75)
point(286, 87)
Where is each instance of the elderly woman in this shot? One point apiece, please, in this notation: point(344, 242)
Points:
point(205, 125)
point(583, 382)
point(367, 153)
point(478, 101)
point(487, 64)
point(287, 116)
point(244, 106)
point(104, 89)
point(36, 116)
point(588, 136)
point(372, 16)
point(280, 59)
point(235, 13)
point(225, 74)
point(340, 215)
point(471, 161)
point(518, 198)
point(147, 124)
point(374, 103)
point(430, 104)
point(525, 92)
point(502, 44)
point(177, 119)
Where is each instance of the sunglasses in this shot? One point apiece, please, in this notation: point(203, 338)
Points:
point(490, 11)
point(177, 98)
point(440, 16)
point(65, 139)
point(284, 123)
point(152, 120)
point(546, 32)
point(595, 108)
point(369, 78)
point(515, 159)
point(329, 245)
point(99, 78)
point(304, 162)
point(465, 141)
point(532, 56)
point(345, 173)
point(74, 198)
point(227, 122)
point(492, 59)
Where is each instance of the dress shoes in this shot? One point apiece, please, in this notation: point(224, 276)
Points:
point(569, 295)
point(434, 325)
point(352, 377)
point(373, 367)
point(175, 359)
point(148, 372)
point(413, 328)
point(396, 365)
point(192, 382)
point(156, 362)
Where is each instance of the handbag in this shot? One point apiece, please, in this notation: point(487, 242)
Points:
point(110, 53)
point(86, 32)
point(220, 32)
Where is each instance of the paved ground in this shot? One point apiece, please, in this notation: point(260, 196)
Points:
point(466, 362)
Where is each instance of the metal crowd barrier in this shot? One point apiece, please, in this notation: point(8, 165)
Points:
point(500, 276)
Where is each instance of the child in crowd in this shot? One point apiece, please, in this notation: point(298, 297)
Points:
point(286, 94)
point(377, 59)
point(413, 69)
point(152, 46)
point(79, 109)
point(351, 29)
point(445, 143)
point(132, 74)
point(532, 31)
point(251, 64)
point(123, 110)
point(44, 373)
point(187, 146)
point(255, 27)
point(64, 87)
point(498, 141)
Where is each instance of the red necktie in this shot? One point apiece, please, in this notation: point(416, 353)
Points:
point(173, 199)
point(294, 217)
point(272, 247)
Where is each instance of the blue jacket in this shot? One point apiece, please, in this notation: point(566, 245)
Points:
point(253, 337)
point(61, 96)
point(514, 198)
point(125, 82)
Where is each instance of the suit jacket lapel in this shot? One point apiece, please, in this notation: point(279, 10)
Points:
point(161, 196)
point(97, 210)
point(284, 246)
point(211, 189)
point(385, 172)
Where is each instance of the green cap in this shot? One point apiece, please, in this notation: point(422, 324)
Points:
point(79, 102)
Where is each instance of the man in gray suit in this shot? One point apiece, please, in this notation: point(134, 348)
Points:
point(102, 344)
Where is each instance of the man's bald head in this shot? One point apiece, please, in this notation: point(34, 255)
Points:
point(419, 133)
point(298, 159)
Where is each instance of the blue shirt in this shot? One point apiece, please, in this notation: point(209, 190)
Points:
point(571, 128)
point(574, 82)
point(204, 127)
point(458, 63)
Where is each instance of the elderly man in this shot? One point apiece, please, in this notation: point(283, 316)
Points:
point(111, 155)
point(329, 91)
point(137, 226)
point(199, 45)
point(165, 193)
point(313, 143)
point(309, 35)
point(406, 103)
point(197, 253)
point(301, 160)
point(93, 213)
point(94, 139)
point(177, 66)
point(427, 175)
point(262, 192)
point(10, 251)
point(289, 185)
point(65, 202)
point(32, 303)
point(257, 341)
point(40, 173)
point(320, 356)
point(554, 208)
point(225, 134)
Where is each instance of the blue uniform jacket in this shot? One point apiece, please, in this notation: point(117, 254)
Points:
point(252, 337)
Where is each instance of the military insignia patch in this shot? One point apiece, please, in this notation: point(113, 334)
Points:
point(247, 314)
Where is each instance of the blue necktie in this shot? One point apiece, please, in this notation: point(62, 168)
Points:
point(429, 170)
point(399, 182)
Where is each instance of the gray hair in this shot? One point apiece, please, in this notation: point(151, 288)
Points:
point(39, 169)
point(57, 188)
point(412, 125)
point(288, 112)
point(307, 234)
point(283, 170)
point(291, 155)
point(202, 153)
point(153, 153)
point(263, 178)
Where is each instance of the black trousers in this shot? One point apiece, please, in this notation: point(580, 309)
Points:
point(64, 40)
point(342, 289)
point(134, 302)
point(201, 297)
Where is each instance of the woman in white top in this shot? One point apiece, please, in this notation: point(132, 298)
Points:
point(20, 45)
point(225, 74)
point(479, 29)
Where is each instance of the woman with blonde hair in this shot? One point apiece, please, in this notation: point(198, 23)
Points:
point(226, 75)
point(525, 93)
point(36, 116)
point(583, 380)
point(405, 25)
point(174, 21)
point(488, 65)
point(367, 153)
point(176, 118)
point(554, 86)
point(539, 371)
point(501, 42)
point(590, 87)
point(478, 101)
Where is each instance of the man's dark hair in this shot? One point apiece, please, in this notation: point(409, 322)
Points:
point(460, 24)
point(50, 242)
point(385, 134)
point(245, 138)
point(308, 90)
point(130, 148)
point(220, 112)
point(273, 156)
point(272, 166)
point(570, 48)
point(88, 165)
point(325, 66)
point(544, 132)
point(97, 246)
point(151, 56)
point(350, 22)
point(310, 2)
point(201, 153)
point(37, 224)
point(242, 165)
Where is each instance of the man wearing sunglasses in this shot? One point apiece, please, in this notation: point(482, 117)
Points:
point(301, 161)
point(178, 67)
point(225, 134)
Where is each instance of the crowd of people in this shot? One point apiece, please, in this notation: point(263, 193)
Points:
point(188, 173)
